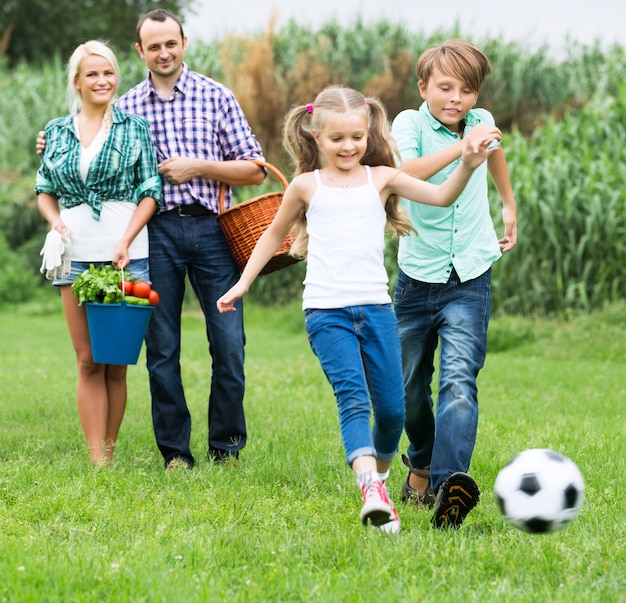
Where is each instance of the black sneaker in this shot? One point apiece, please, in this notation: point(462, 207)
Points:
point(457, 496)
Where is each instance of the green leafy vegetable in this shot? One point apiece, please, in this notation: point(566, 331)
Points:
point(100, 285)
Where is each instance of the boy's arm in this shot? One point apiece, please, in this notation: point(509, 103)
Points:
point(406, 133)
point(499, 172)
point(427, 166)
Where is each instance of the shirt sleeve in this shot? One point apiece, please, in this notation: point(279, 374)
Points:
point(43, 180)
point(148, 181)
point(406, 131)
point(236, 136)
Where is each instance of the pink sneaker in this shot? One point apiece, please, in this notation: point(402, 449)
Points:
point(378, 508)
point(393, 526)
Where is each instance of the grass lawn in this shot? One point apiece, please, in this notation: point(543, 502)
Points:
point(283, 525)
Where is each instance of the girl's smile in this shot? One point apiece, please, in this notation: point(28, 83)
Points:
point(343, 141)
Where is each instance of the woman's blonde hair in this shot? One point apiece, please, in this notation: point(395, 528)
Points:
point(300, 143)
point(90, 48)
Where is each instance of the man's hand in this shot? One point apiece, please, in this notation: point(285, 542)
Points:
point(178, 170)
point(40, 145)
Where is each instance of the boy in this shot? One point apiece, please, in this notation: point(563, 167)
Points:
point(443, 288)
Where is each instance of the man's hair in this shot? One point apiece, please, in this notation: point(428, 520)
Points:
point(160, 15)
point(457, 58)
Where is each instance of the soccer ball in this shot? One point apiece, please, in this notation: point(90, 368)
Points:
point(540, 491)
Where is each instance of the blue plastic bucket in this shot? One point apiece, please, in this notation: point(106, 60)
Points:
point(117, 331)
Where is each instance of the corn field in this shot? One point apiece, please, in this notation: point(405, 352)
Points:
point(564, 124)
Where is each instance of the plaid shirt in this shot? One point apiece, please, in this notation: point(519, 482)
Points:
point(203, 120)
point(124, 170)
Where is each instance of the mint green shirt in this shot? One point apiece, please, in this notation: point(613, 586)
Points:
point(461, 236)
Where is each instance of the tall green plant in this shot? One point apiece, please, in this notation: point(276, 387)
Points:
point(569, 184)
point(568, 174)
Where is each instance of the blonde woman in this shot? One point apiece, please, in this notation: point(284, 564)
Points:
point(98, 185)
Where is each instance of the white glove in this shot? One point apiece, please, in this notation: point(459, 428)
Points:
point(56, 253)
point(66, 257)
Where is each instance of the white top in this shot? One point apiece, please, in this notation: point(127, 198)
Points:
point(94, 241)
point(345, 259)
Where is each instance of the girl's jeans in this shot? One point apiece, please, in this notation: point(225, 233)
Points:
point(359, 351)
point(457, 315)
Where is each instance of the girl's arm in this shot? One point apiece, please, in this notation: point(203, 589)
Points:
point(499, 172)
point(291, 207)
point(145, 209)
point(475, 151)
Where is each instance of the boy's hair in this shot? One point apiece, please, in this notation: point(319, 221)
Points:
point(301, 145)
point(161, 15)
point(457, 58)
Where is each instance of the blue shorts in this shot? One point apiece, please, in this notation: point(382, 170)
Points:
point(139, 270)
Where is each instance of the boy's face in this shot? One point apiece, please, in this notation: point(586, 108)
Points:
point(449, 98)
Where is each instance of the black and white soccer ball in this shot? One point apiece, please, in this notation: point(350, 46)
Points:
point(540, 491)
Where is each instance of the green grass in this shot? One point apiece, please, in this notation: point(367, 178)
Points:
point(283, 526)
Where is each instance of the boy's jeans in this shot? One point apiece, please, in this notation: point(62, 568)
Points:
point(457, 315)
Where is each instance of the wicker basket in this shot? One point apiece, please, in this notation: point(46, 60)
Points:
point(244, 223)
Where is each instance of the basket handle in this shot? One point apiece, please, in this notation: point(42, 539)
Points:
point(262, 164)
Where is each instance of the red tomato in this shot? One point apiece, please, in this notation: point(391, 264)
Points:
point(126, 287)
point(141, 289)
point(153, 298)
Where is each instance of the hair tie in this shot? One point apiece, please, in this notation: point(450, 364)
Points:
point(309, 108)
point(367, 103)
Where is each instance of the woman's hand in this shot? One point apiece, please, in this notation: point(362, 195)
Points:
point(121, 257)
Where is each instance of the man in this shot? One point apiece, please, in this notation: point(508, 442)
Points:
point(202, 139)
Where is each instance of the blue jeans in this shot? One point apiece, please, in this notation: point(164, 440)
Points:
point(457, 315)
point(359, 351)
point(194, 246)
point(139, 270)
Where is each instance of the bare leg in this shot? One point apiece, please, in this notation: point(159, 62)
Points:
point(116, 396)
point(100, 419)
point(418, 483)
point(364, 463)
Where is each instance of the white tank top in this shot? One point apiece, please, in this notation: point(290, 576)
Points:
point(345, 259)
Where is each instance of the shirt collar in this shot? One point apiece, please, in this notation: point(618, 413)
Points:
point(180, 85)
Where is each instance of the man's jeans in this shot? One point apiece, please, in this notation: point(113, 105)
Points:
point(359, 351)
point(194, 246)
point(457, 315)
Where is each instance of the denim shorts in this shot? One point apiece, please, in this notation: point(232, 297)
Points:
point(139, 270)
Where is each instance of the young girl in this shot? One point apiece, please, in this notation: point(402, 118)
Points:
point(98, 184)
point(344, 195)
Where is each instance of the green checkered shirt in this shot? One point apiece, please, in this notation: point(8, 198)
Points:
point(125, 169)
